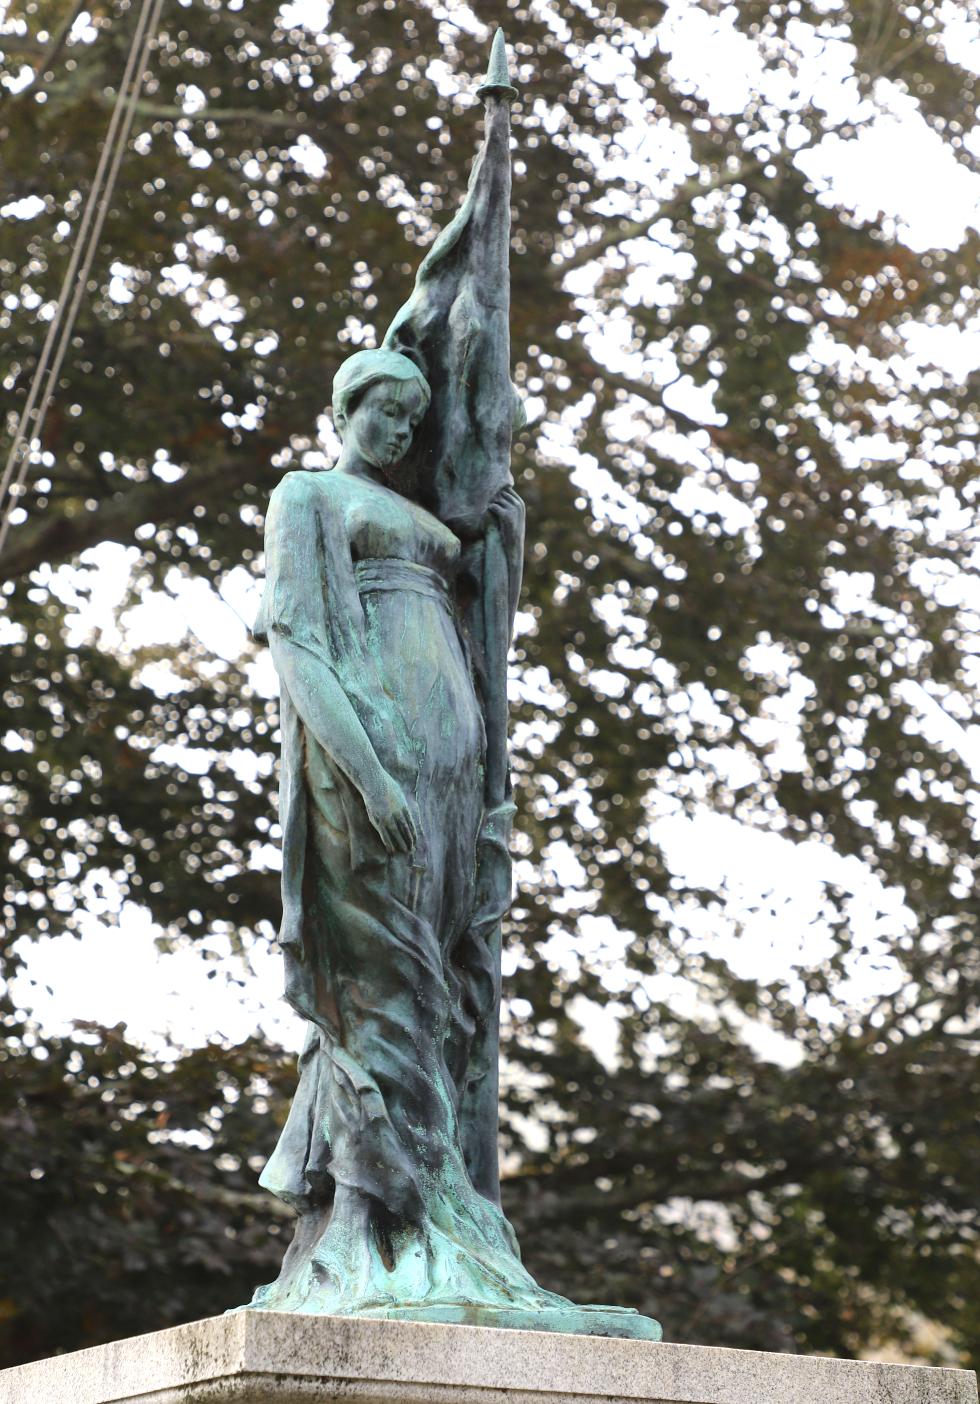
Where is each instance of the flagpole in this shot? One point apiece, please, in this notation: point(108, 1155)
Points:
point(456, 327)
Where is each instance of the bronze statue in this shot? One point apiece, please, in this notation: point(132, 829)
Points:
point(392, 583)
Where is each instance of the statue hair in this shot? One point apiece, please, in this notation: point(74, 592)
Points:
point(364, 369)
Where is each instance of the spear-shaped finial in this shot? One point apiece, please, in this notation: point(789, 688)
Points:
point(497, 82)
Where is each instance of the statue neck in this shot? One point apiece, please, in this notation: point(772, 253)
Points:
point(350, 461)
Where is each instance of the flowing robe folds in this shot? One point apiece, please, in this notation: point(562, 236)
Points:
point(387, 957)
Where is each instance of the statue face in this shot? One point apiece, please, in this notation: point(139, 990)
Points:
point(381, 425)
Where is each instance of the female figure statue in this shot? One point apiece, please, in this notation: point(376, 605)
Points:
point(392, 583)
point(382, 803)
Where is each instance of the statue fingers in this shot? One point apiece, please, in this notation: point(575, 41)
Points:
point(387, 830)
point(508, 509)
point(392, 835)
point(510, 499)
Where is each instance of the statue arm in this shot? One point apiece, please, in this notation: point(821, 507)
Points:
point(496, 576)
point(326, 711)
point(315, 629)
point(492, 564)
point(507, 510)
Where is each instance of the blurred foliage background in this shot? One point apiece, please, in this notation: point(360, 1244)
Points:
point(752, 530)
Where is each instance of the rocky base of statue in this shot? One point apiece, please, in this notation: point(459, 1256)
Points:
point(460, 1265)
point(258, 1357)
point(570, 1319)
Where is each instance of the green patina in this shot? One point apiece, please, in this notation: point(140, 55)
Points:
point(392, 585)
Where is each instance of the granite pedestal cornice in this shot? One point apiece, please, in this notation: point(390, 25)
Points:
point(256, 1357)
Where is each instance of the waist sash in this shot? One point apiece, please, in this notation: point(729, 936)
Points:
point(388, 573)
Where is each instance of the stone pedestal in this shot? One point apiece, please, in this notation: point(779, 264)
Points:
point(267, 1358)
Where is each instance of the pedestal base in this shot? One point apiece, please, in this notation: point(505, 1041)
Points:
point(572, 1320)
point(260, 1357)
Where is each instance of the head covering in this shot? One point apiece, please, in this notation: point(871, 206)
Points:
point(365, 368)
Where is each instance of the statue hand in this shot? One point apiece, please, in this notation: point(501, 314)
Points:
point(508, 510)
point(390, 814)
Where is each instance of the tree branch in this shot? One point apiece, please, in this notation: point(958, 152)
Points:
point(617, 381)
point(558, 1206)
point(623, 229)
point(252, 115)
point(59, 40)
point(43, 539)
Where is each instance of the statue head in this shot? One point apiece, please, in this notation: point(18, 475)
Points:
point(379, 398)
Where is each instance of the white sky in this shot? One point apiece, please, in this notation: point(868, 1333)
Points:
point(897, 168)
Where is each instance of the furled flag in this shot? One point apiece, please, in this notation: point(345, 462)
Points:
point(456, 326)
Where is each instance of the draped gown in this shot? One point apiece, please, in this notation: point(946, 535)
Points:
point(384, 1154)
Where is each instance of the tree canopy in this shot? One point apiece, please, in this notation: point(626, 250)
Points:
point(751, 478)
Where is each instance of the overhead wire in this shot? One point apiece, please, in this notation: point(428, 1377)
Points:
point(62, 323)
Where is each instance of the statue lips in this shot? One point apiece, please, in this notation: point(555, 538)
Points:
point(398, 443)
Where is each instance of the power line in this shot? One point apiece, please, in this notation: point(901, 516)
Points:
point(73, 288)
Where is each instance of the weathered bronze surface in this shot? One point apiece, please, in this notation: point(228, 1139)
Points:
point(392, 583)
